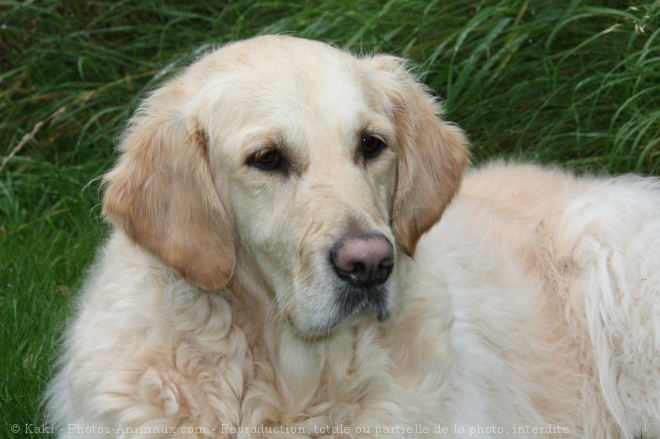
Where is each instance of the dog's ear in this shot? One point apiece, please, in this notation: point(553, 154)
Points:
point(433, 153)
point(162, 196)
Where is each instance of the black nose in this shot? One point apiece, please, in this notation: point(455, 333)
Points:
point(364, 260)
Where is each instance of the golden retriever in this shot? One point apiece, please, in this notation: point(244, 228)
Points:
point(277, 269)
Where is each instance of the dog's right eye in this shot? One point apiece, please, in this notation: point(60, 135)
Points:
point(267, 159)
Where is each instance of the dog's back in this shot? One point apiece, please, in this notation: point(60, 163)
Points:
point(556, 278)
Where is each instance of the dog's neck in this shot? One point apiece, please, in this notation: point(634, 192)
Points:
point(278, 377)
point(303, 369)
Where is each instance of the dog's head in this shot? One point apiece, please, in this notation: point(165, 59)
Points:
point(292, 163)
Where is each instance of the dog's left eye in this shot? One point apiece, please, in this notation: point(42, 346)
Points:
point(371, 146)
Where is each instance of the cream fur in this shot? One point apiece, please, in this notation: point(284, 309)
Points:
point(533, 304)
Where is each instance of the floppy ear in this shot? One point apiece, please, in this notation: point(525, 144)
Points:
point(161, 193)
point(433, 154)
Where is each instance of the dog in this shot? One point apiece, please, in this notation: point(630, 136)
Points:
point(278, 268)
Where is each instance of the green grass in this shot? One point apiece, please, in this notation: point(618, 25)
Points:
point(574, 83)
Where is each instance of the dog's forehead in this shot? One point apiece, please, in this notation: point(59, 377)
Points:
point(279, 52)
point(280, 67)
point(297, 86)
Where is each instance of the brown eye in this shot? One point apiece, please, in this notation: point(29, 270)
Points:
point(371, 146)
point(267, 159)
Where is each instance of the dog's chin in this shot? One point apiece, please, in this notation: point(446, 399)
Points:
point(350, 306)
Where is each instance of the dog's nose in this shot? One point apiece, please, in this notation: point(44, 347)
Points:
point(364, 260)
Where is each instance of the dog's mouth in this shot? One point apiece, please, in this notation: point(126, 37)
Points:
point(353, 304)
point(344, 306)
point(355, 297)
point(356, 301)
point(354, 284)
point(362, 263)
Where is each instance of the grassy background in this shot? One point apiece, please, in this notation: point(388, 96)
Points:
point(575, 83)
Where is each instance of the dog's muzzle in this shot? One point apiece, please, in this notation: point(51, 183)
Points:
point(363, 263)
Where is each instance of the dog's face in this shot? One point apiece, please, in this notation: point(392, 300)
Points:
point(293, 164)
